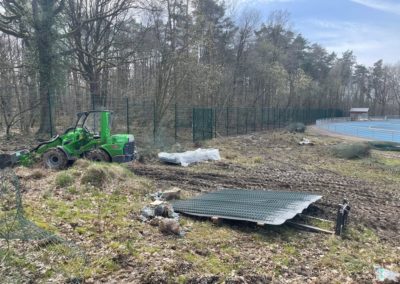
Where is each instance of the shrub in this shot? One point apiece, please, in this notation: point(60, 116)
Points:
point(95, 175)
point(37, 174)
point(296, 127)
point(351, 151)
point(64, 179)
point(384, 145)
point(258, 160)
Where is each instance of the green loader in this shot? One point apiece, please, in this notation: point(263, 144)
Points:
point(80, 141)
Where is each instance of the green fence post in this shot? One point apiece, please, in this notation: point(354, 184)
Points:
point(193, 125)
point(237, 121)
point(154, 122)
point(203, 124)
point(272, 110)
point(247, 117)
point(50, 114)
point(262, 119)
point(127, 115)
point(215, 122)
point(279, 118)
point(176, 123)
point(92, 99)
point(255, 120)
point(227, 121)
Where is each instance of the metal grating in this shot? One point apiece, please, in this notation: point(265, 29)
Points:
point(260, 206)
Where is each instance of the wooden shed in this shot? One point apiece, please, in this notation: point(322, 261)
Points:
point(359, 113)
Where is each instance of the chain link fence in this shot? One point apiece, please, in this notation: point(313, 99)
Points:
point(153, 123)
point(157, 123)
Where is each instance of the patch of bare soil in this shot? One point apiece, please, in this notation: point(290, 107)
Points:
point(103, 220)
point(372, 205)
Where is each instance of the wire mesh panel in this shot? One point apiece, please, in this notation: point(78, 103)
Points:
point(203, 123)
point(260, 206)
point(23, 242)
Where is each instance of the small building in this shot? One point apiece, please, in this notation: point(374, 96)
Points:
point(359, 113)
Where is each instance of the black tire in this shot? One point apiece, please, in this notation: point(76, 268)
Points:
point(5, 161)
point(55, 159)
point(98, 155)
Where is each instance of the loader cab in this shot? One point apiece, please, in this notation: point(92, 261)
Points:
point(96, 124)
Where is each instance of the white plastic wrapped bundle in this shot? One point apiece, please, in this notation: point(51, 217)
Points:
point(190, 157)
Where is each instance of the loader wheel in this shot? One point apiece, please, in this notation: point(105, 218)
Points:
point(98, 155)
point(5, 161)
point(55, 159)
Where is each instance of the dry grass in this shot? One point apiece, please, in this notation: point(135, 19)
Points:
point(95, 206)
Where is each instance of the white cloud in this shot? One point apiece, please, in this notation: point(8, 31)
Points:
point(255, 3)
point(262, 1)
point(368, 42)
point(391, 6)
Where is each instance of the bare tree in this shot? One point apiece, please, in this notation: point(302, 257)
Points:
point(93, 25)
point(35, 21)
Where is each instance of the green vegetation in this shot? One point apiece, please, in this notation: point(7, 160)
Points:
point(351, 151)
point(103, 217)
point(64, 179)
point(296, 127)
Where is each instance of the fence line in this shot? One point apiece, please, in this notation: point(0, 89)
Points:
point(161, 125)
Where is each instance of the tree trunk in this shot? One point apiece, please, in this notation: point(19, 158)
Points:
point(45, 83)
point(94, 88)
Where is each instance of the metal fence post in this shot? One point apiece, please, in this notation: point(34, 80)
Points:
point(176, 123)
point(92, 99)
point(247, 117)
point(127, 115)
point(255, 120)
point(237, 121)
point(279, 118)
point(273, 117)
point(262, 118)
point(154, 121)
point(215, 122)
point(227, 121)
point(50, 114)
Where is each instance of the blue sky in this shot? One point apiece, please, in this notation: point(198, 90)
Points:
point(370, 28)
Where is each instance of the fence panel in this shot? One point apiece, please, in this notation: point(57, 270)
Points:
point(203, 124)
point(153, 124)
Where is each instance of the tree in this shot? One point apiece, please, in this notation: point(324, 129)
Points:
point(380, 84)
point(249, 19)
point(361, 80)
point(394, 84)
point(94, 25)
point(36, 23)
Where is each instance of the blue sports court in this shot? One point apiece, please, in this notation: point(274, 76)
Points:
point(380, 130)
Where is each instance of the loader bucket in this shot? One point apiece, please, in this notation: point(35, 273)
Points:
point(6, 161)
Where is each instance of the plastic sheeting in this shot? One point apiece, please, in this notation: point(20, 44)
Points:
point(190, 157)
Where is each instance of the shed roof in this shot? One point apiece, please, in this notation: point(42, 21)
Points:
point(359, 109)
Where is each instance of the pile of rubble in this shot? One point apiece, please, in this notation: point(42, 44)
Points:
point(161, 213)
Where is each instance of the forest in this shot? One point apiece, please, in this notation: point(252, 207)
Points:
point(64, 56)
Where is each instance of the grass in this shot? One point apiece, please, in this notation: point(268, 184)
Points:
point(351, 151)
point(63, 179)
point(99, 215)
point(376, 168)
point(98, 208)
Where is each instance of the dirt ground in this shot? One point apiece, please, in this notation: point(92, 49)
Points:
point(290, 167)
point(123, 249)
